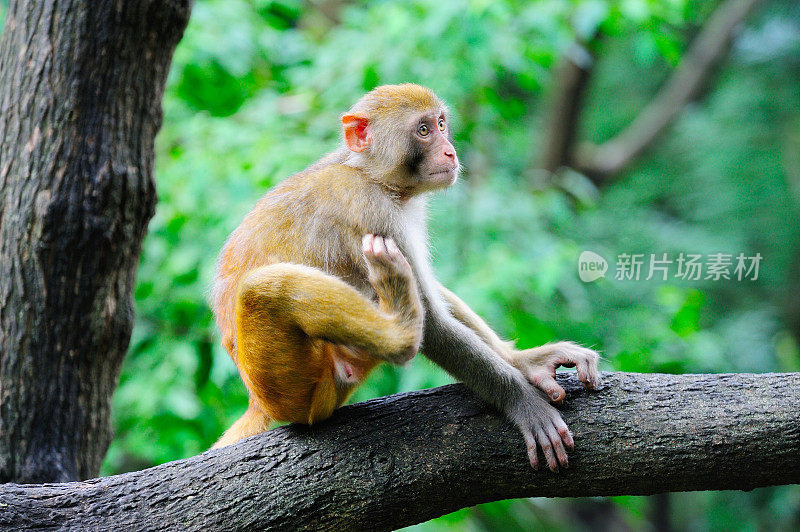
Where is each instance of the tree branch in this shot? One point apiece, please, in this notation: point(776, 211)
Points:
point(407, 458)
point(574, 72)
point(706, 52)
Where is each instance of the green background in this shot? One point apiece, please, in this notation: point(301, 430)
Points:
point(255, 93)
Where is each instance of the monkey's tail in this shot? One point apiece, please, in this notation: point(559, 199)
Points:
point(254, 421)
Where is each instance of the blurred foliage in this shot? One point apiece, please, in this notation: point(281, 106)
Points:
point(255, 93)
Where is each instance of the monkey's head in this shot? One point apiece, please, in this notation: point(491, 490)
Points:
point(400, 134)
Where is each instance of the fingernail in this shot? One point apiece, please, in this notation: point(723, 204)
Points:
point(555, 396)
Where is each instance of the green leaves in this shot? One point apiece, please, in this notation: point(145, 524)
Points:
point(255, 95)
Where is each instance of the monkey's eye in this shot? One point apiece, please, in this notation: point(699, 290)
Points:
point(441, 125)
point(423, 130)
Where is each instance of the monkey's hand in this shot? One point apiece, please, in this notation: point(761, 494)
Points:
point(390, 275)
point(542, 424)
point(539, 366)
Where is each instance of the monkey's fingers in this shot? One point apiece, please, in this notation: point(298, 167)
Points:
point(547, 450)
point(374, 249)
point(396, 255)
point(592, 373)
point(530, 443)
point(558, 447)
point(585, 362)
point(379, 247)
point(366, 244)
point(541, 426)
point(555, 438)
point(382, 252)
point(568, 355)
point(544, 379)
point(564, 433)
point(552, 445)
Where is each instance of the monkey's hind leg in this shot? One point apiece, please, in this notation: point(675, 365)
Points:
point(282, 300)
point(289, 315)
point(253, 421)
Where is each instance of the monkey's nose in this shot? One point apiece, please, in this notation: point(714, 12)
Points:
point(450, 153)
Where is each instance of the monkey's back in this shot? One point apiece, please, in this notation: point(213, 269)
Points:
point(317, 218)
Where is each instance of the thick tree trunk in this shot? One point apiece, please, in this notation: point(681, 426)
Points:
point(408, 458)
point(80, 103)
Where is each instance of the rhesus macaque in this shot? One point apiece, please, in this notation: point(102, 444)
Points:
point(329, 275)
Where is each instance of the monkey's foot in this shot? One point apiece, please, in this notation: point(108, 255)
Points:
point(390, 275)
point(389, 272)
point(539, 366)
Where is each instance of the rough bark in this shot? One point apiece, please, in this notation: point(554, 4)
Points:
point(407, 458)
point(80, 103)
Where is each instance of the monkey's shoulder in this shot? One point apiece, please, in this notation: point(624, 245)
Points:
point(307, 218)
point(333, 192)
point(336, 181)
point(319, 217)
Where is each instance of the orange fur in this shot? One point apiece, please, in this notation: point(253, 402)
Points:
point(298, 314)
point(322, 280)
point(253, 422)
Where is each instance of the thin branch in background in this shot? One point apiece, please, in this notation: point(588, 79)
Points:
point(706, 52)
point(573, 77)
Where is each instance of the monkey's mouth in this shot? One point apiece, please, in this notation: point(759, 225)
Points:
point(446, 171)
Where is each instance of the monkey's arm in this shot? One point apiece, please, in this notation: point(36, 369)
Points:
point(537, 364)
point(462, 353)
point(468, 317)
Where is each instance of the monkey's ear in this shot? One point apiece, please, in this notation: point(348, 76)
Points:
point(357, 135)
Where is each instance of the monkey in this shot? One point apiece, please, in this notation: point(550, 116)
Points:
point(330, 275)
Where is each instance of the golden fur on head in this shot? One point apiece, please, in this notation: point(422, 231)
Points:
point(393, 100)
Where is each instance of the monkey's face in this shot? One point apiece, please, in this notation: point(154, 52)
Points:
point(401, 136)
point(430, 159)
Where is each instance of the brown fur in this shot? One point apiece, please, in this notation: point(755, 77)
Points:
point(329, 274)
point(292, 296)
